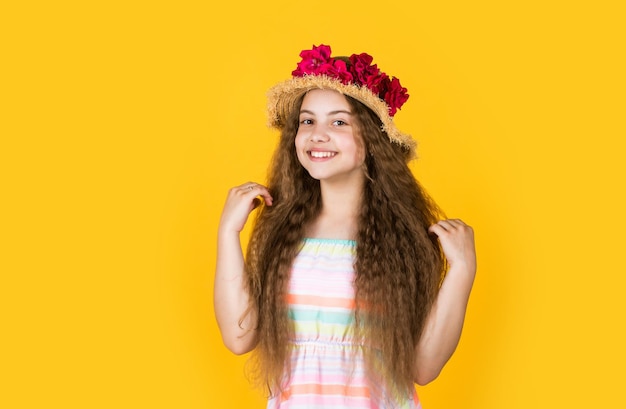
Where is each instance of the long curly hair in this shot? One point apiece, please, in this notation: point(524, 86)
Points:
point(398, 265)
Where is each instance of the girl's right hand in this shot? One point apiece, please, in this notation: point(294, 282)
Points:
point(241, 200)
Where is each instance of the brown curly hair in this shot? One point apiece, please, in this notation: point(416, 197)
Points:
point(398, 265)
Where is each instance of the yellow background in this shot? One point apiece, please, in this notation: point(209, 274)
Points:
point(123, 124)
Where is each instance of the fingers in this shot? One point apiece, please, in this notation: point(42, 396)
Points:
point(242, 200)
point(247, 186)
point(447, 225)
point(457, 242)
point(255, 189)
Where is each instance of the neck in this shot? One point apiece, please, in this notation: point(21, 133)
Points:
point(340, 211)
point(341, 200)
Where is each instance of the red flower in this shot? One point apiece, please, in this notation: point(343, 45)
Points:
point(338, 69)
point(377, 83)
point(395, 95)
point(312, 60)
point(361, 68)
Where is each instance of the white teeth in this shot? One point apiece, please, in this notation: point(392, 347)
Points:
point(317, 154)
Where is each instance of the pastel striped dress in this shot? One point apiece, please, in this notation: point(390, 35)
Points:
point(327, 364)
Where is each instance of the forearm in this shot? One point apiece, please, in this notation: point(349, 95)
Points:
point(231, 299)
point(444, 324)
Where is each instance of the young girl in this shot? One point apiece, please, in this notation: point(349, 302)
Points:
point(353, 288)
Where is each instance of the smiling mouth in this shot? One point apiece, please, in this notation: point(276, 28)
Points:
point(318, 154)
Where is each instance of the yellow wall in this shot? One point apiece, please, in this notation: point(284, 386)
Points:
point(123, 124)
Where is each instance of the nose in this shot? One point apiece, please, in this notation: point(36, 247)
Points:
point(319, 133)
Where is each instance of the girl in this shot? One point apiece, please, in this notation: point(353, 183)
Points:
point(353, 288)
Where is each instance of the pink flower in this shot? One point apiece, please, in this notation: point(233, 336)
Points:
point(395, 95)
point(312, 60)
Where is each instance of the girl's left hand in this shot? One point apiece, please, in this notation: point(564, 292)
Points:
point(457, 242)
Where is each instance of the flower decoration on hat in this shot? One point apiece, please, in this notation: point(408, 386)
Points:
point(357, 70)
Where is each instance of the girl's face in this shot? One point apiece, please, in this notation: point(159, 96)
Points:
point(326, 141)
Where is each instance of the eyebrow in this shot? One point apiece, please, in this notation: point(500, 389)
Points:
point(340, 111)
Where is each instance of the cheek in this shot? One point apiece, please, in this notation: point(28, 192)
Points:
point(360, 155)
point(355, 151)
point(359, 149)
point(299, 145)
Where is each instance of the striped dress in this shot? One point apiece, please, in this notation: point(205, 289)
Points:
point(327, 364)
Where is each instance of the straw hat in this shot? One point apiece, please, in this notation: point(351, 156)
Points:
point(354, 76)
